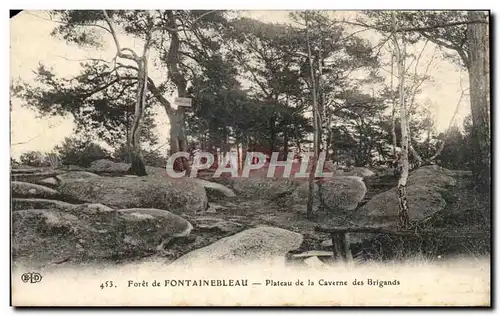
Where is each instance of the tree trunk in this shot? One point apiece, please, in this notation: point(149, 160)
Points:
point(478, 40)
point(316, 127)
point(178, 141)
point(272, 133)
point(137, 167)
point(127, 137)
point(403, 216)
point(244, 149)
point(393, 126)
point(285, 145)
point(137, 164)
point(238, 157)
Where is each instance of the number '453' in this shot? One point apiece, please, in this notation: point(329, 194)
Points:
point(106, 284)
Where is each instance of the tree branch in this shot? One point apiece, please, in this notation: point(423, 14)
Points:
point(172, 29)
point(119, 51)
point(458, 49)
point(390, 28)
point(66, 23)
point(159, 96)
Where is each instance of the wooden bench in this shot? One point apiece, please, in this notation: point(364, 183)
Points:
point(341, 245)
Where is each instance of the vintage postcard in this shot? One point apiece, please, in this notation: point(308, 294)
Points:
point(250, 158)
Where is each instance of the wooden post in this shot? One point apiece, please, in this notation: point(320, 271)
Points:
point(338, 241)
point(347, 248)
point(332, 236)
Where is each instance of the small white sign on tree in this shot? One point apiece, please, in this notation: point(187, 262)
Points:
point(184, 102)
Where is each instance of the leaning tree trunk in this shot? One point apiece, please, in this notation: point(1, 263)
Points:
point(403, 216)
point(137, 163)
point(477, 35)
point(133, 142)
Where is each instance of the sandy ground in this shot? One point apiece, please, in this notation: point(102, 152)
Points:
point(454, 282)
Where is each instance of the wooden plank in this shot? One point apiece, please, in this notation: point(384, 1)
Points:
point(313, 253)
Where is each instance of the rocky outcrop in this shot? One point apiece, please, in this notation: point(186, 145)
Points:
point(34, 177)
point(249, 245)
point(425, 189)
point(104, 166)
point(76, 175)
point(30, 190)
point(172, 225)
point(70, 175)
point(340, 193)
point(263, 188)
point(208, 223)
point(25, 204)
point(215, 190)
point(175, 195)
point(92, 232)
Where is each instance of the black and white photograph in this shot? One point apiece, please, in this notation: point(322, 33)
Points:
point(298, 158)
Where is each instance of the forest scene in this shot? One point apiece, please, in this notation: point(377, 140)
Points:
point(368, 91)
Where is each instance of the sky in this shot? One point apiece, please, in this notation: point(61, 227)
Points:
point(31, 44)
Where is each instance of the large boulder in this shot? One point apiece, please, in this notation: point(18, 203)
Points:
point(173, 225)
point(55, 180)
point(104, 166)
point(92, 232)
point(434, 176)
point(76, 175)
point(425, 189)
point(340, 193)
point(26, 190)
point(263, 188)
point(34, 177)
point(214, 190)
point(175, 195)
point(268, 184)
point(250, 245)
point(25, 204)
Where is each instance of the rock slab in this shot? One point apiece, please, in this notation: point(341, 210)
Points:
point(249, 245)
point(175, 195)
point(91, 232)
